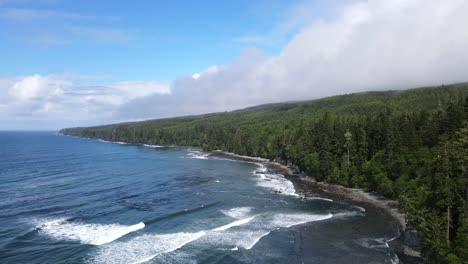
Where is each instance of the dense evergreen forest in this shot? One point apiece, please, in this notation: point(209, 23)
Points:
point(409, 145)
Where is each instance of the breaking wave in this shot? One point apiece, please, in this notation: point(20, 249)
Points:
point(196, 154)
point(152, 146)
point(277, 183)
point(238, 212)
point(93, 234)
point(143, 248)
point(235, 223)
point(240, 234)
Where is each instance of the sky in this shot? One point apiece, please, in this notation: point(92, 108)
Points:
point(68, 63)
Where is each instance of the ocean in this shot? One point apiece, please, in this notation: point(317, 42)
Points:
point(72, 200)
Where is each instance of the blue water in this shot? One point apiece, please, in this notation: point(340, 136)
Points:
point(70, 200)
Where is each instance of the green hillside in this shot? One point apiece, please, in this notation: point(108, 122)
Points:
point(204, 130)
point(409, 145)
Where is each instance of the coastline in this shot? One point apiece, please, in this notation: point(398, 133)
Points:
point(353, 194)
point(406, 245)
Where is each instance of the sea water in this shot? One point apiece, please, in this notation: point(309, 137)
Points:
point(73, 200)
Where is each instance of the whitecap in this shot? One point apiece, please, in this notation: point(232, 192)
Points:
point(277, 183)
point(359, 208)
point(241, 237)
point(93, 234)
point(147, 247)
point(319, 198)
point(238, 212)
point(246, 234)
point(143, 248)
point(288, 220)
point(374, 243)
point(196, 154)
point(233, 224)
point(261, 170)
point(247, 239)
point(348, 214)
point(250, 231)
point(152, 146)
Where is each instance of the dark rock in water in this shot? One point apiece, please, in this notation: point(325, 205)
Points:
point(408, 247)
point(259, 172)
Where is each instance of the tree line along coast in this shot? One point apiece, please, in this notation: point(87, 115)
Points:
point(409, 145)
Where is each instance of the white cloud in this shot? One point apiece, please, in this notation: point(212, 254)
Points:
point(56, 99)
point(208, 71)
point(134, 89)
point(369, 45)
point(36, 86)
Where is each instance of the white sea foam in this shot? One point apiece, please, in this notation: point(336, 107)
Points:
point(93, 234)
point(114, 142)
point(319, 198)
point(251, 230)
point(262, 169)
point(277, 183)
point(348, 214)
point(374, 243)
point(393, 238)
point(235, 223)
point(241, 234)
point(152, 146)
point(143, 248)
point(241, 237)
point(196, 154)
point(247, 239)
point(147, 247)
point(238, 212)
point(395, 259)
point(360, 208)
point(288, 220)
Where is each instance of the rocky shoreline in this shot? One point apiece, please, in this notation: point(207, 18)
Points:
point(406, 245)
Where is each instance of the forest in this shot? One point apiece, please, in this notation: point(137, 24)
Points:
point(409, 145)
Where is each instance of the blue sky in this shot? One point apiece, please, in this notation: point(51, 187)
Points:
point(144, 40)
point(71, 63)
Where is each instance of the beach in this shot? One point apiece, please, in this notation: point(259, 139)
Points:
point(377, 208)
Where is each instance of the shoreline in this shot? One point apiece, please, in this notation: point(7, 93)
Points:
point(405, 245)
point(354, 194)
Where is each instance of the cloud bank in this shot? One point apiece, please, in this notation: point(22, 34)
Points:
point(368, 45)
point(371, 45)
